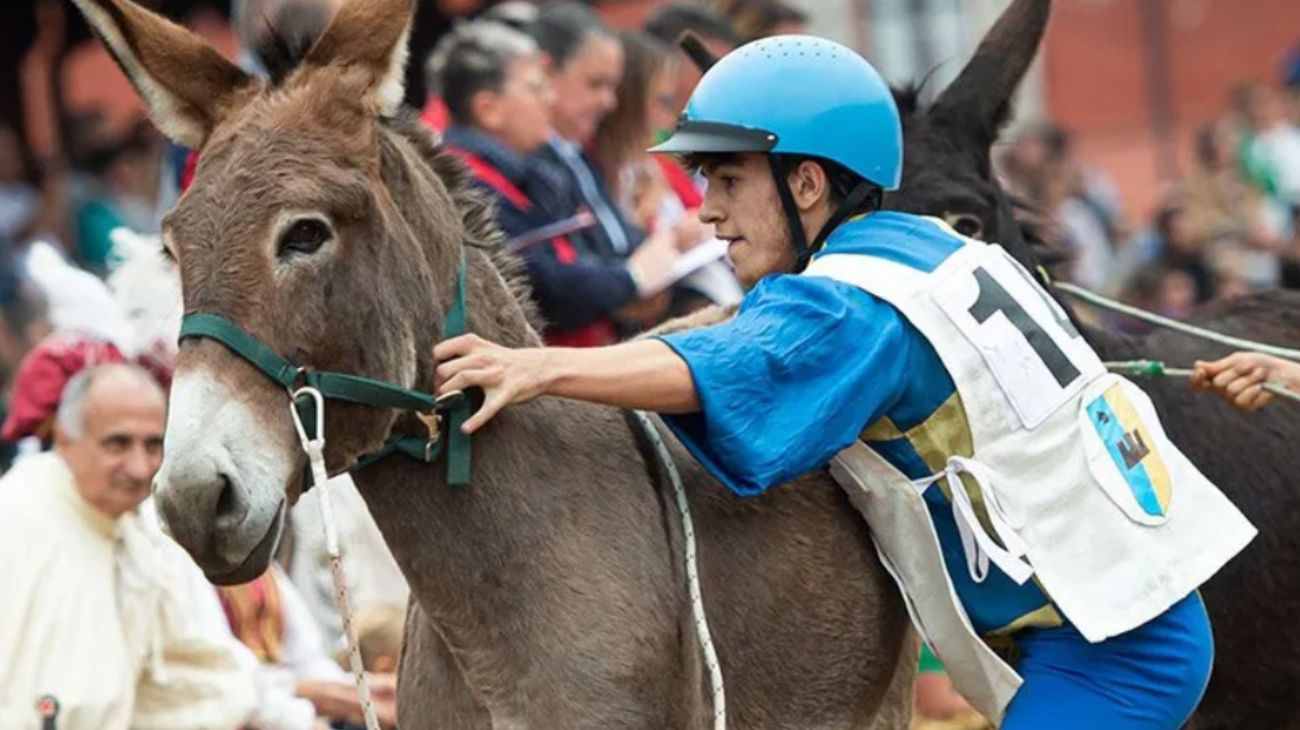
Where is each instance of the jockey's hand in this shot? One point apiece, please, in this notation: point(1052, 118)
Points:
point(506, 375)
point(1239, 378)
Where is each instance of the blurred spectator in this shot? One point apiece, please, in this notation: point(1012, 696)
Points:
point(1218, 200)
point(379, 636)
point(493, 81)
point(668, 23)
point(754, 19)
point(301, 685)
point(373, 575)
point(1183, 250)
point(1270, 144)
point(645, 104)
point(1041, 167)
point(653, 190)
point(120, 187)
point(1290, 252)
point(1291, 82)
point(24, 319)
point(1177, 293)
point(146, 288)
point(586, 66)
point(23, 323)
point(1237, 272)
point(518, 14)
point(19, 199)
point(108, 622)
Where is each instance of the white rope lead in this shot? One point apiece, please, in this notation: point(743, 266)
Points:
point(692, 573)
point(315, 449)
point(1173, 324)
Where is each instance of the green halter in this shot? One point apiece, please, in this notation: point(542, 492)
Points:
point(456, 407)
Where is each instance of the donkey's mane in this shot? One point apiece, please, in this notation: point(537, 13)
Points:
point(477, 211)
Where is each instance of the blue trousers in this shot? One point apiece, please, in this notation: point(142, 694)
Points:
point(1150, 678)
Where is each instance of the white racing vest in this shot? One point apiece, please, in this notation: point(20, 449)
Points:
point(1082, 489)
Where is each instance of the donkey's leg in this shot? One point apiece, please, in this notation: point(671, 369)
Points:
point(431, 692)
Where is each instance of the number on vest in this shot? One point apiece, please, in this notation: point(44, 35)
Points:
point(993, 298)
point(1034, 353)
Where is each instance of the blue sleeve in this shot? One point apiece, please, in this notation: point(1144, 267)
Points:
point(805, 365)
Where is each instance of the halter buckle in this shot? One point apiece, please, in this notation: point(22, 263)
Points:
point(433, 422)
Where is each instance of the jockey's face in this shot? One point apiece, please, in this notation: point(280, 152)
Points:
point(741, 200)
point(743, 203)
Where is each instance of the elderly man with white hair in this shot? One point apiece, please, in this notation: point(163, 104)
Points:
point(101, 624)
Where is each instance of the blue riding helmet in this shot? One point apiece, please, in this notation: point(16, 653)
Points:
point(798, 95)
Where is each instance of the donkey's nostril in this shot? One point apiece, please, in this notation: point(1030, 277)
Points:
point(230, 509)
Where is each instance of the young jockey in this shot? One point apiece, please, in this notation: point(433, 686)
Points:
point(1018, 492)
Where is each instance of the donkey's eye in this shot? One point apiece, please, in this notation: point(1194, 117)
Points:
point(966, 224)
point(304, 236)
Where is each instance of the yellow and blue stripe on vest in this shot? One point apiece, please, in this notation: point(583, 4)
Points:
point(928, 424)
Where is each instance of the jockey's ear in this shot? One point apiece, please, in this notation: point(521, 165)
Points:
point(370, 36)
point(186, 85)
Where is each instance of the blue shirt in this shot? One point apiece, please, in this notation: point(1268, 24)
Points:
point(792, 379)
point(810, 364)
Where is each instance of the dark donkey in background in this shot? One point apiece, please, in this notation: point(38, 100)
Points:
point(1254, 602)
point(549, 592)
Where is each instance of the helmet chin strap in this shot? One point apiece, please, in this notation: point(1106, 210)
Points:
point(799, 240)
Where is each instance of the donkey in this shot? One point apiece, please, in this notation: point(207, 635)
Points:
point(549, 593)
point(1254, 600)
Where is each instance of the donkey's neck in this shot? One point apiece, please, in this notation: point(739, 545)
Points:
point(560, 496)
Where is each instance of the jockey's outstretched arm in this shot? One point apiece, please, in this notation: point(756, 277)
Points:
point(645, 375)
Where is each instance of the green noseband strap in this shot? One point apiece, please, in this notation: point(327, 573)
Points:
point(444, 416)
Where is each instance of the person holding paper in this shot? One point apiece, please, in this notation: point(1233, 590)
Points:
point(493, 82)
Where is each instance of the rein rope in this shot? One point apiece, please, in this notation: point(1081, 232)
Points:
point(698, 615)
point(1156, 368)
point(315, 448)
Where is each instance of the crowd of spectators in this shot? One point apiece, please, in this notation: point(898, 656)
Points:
point(1229, 226)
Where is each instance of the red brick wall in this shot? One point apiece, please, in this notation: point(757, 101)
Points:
point(1097, 86)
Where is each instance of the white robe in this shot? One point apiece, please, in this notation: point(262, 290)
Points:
point(106, 617)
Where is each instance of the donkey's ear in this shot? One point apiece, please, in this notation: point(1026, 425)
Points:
point(186, 85)
point(370, 35)
point(979, 101)
point(699, 53)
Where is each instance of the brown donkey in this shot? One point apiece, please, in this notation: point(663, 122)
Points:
point(550, 592)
